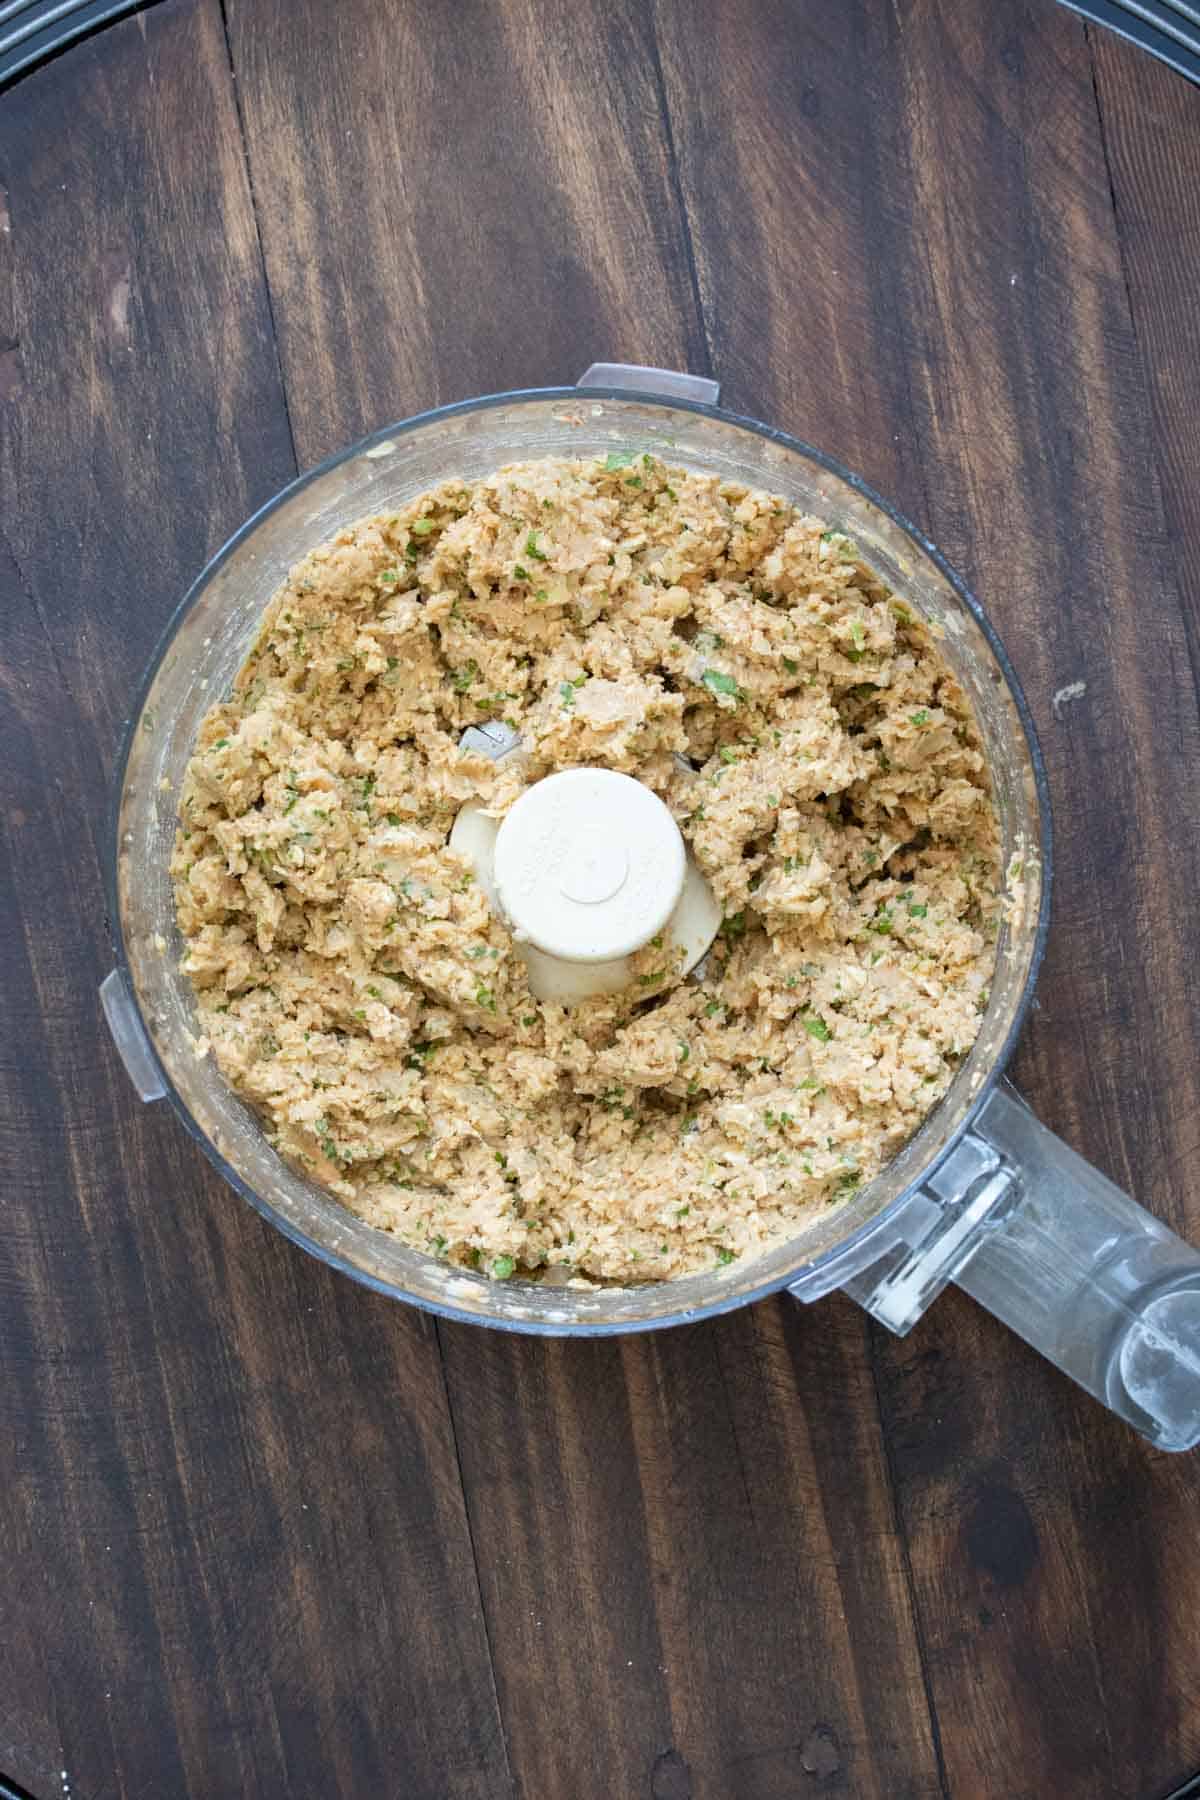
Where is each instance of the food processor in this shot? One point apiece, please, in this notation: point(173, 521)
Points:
point(982, 1194)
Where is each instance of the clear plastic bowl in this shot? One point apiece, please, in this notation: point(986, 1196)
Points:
point(204, 646)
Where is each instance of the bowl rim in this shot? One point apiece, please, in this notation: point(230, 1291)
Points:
point(721, 1303)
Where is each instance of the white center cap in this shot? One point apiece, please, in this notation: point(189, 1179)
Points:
point(589, 865)
point(594, 867)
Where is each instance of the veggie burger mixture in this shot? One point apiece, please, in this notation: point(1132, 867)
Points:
point(797, 719)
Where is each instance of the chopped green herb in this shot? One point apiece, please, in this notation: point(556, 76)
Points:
point(725, 1256)
point(531, 548)
point(423, 527)
point(915, 911)
point(920, 718)
point(619, 459)
point(846, 547)
point(484, 997)
point(502, 1268)
point(713, 1008)
point(733, 926)
point(718, 682)
point(816, 1027)
point(791, 665)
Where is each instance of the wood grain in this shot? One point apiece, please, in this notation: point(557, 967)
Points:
point(1151, 125)
point(232, 1504)
point(266, 1534)
point(693, 1564)
point(951, 255)
point(470, 198)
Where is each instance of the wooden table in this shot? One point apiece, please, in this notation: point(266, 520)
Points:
point(263, 1533)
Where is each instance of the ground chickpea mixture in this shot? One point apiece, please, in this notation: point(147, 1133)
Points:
point(355, 987)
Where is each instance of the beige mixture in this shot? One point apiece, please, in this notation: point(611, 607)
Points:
point(356, 988)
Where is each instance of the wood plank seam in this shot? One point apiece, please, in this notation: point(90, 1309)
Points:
point(685, 222)
point(258, 239)
point(874, 1335)
point(1160, 479)
point(470, 1523)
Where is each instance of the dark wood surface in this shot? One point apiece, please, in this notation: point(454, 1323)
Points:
point(263, 1533)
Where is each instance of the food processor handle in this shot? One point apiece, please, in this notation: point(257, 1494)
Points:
point(1073, 1265)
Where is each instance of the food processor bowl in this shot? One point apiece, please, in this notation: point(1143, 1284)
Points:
point(973, 1182)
